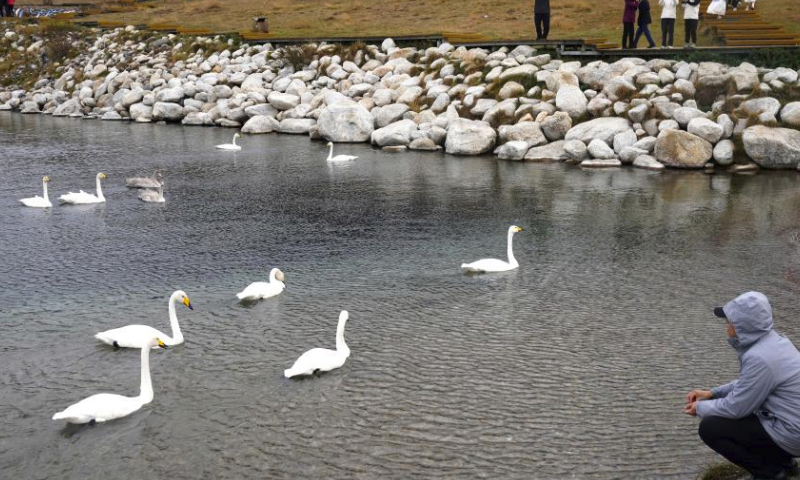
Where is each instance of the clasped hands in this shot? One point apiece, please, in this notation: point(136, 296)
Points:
point(692, 398)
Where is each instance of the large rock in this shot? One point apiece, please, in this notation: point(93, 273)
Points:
point(601, 128)
point(468, 137)
point(723, 152)
point(67, 108)
point(600, 149)
point(168, 95)
point(684, 115)
point(283, 101)
point(389, 114)
point(647, 162)
point(528, 132)
point(556, 126)
point(706, 129)
point(576, 150)
point(757, 106)
point(260, 124)
point(398, 133)
point(676, 148)
point(296, 125)
point(570, 99)
point(140, 111)
point(171, 112)
point(514, 150)
point(345, 122)
point(772, 147)
point(790, 114)
point(552, 152)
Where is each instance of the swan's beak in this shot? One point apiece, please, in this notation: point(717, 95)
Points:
point(46, 179)
point(187, 303)
point(519, 229)
point(162, 345)
point(103, 176)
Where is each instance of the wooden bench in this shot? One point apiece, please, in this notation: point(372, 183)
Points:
point(762, 43)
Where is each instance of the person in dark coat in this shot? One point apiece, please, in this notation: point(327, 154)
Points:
point(644, 24)
point(3, 6)
point(628, 18)
point(541, 18)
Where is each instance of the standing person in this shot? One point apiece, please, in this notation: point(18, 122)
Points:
point(2, 8)
point(691, 15)
point(644, 22)
point(717, 7)
point(668, 13)
point(541, 18)
point(754, 421)
point(9, 8)
point(628, 17)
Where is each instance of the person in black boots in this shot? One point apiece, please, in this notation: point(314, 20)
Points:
point(541, 18)
point(644, 25)
point(628, 18)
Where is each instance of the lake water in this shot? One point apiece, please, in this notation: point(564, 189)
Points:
point(573, 366)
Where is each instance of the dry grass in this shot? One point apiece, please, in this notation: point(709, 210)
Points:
point(495, 19)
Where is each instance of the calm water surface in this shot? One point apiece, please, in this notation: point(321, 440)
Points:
point(573, 366)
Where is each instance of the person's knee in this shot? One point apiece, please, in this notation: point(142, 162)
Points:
point(709, 429)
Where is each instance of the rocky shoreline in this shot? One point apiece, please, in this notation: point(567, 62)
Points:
point(513, 102)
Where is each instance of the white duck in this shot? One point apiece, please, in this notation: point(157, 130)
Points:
point(322, 359)
point(108, 406)
point(144, 182)
point(154, 196)
point(135, 336)
point(259, 290)
point(231, 146)
point(82, 198)
point(37, 201)
point(486, 265)
point(338, 158)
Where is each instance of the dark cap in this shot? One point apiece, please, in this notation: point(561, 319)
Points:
point(718, 311)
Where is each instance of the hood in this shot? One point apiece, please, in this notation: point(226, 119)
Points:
point(751, 316)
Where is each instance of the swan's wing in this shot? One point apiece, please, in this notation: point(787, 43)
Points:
point(342, 158)
point(131, 336)
point(321, 359)
point(80, 197)
point(141, 182)
point(36, 201)
point(486, 265)
point(100, 407)
point(256, 290)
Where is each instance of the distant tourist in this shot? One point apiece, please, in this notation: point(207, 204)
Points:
point(3, 6)
point(668, 12)
point(644, 22)
point(754, 421)
point(9, 8)
point(628, 18)
point(691, 14)
point(541, 18)
point(717, 7)
point(751, 4)
point(734, 4)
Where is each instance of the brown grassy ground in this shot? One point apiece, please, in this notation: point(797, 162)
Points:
point(495, 19)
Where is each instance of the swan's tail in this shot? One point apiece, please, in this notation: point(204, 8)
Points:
point(241, 296)
point(60, 415)
point(103, 339)
point(288, 373)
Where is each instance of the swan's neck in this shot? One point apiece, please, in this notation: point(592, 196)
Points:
point(99, 190)
point(234, 140)
point(511, 259)
point(44, 185)
point(177, 336)
point(146, 388)
point(330, 155)
point(341, 346)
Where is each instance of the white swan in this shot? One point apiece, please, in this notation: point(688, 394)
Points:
point(259, 290)
point(108, 406)
point(135, 336)
point(144, 182)
point(231, 146)
point(486, 265)
point(338, 158)
point(82, 198)
point(155, 196)
point(322, 359)
point(37, 201)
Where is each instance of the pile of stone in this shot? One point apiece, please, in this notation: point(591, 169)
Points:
point(513, 102)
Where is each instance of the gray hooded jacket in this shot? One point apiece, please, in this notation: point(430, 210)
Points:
point(769, 374)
